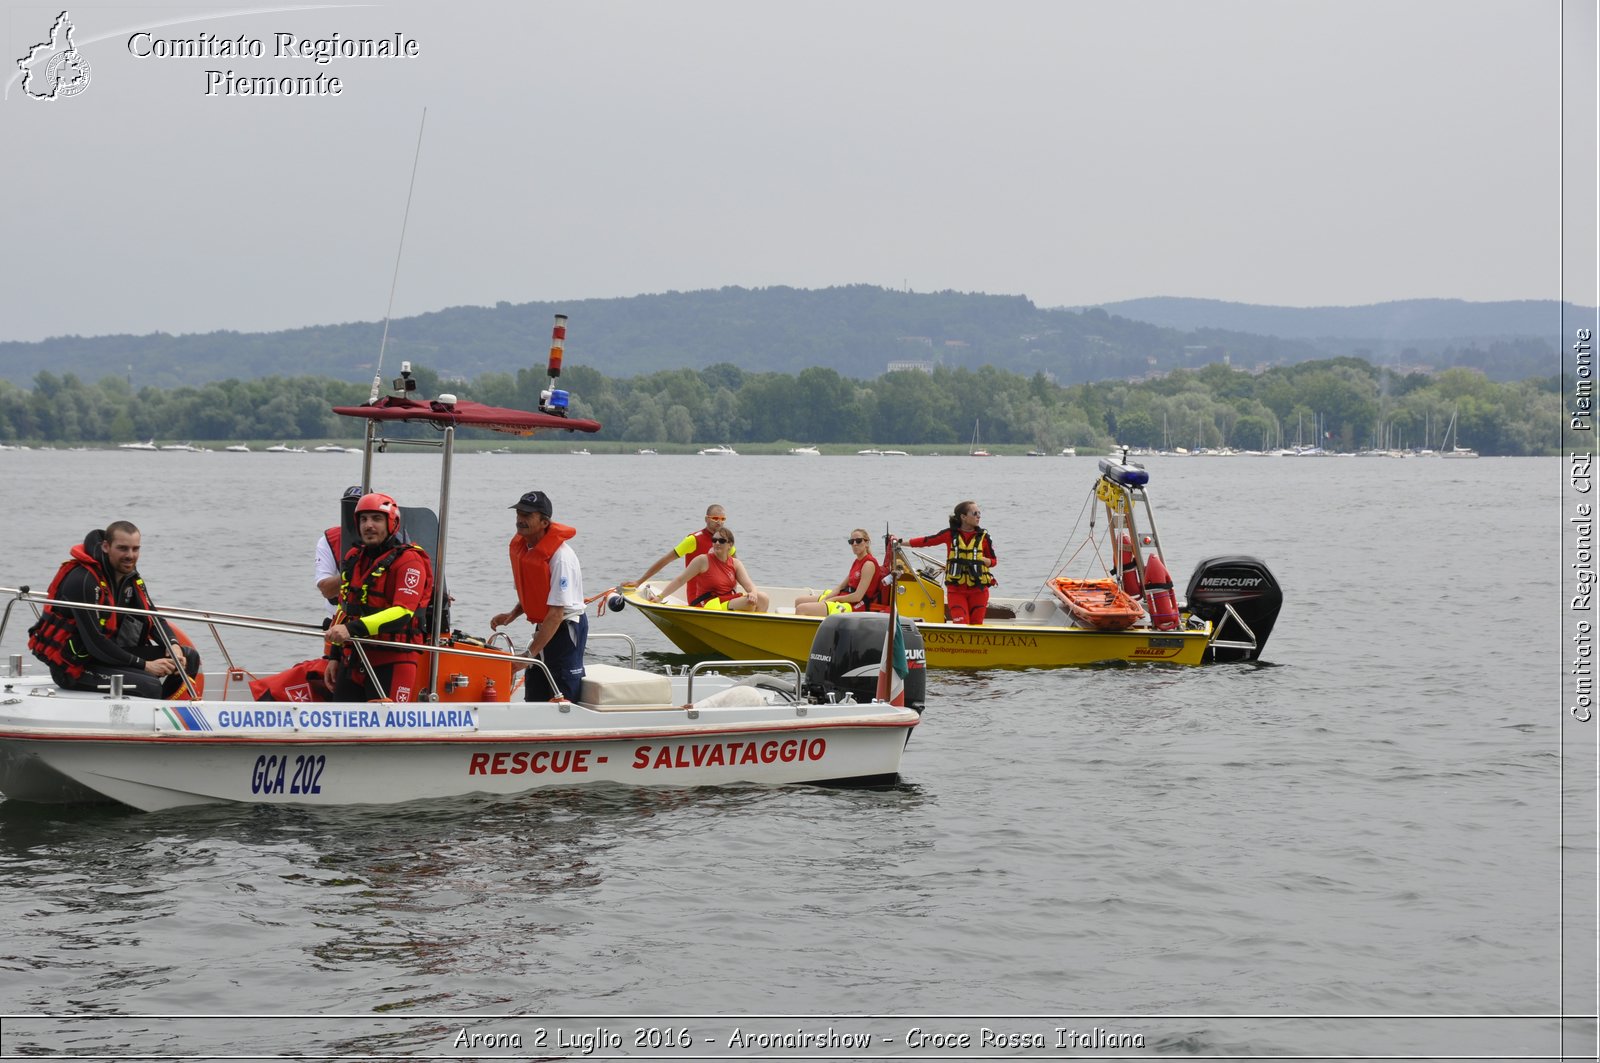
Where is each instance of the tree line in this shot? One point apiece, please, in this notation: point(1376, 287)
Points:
point(1342, 403)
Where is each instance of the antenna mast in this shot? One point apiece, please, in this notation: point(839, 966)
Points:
point(377, 377)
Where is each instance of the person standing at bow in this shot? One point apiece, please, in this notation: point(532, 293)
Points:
point(385, 584)
point(549, 584)
point(969, 563)
point(86, 647)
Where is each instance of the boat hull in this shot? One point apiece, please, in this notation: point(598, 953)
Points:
point(158, 755)
point(995, 644)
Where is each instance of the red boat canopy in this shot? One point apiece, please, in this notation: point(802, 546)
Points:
point(466, 415)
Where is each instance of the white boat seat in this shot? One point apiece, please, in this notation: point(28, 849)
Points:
point(610, 686)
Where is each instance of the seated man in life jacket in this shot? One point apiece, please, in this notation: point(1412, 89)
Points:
point(385, 584)
point(86, 647)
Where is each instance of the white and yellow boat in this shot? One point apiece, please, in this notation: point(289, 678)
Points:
point(1229, 610)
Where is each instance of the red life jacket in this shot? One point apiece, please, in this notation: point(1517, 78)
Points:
point(367, 586)
point(718, 581)
point(698, 588)
point(875, 593)
point(530, 569)
point(51, 638)
point(298, 682)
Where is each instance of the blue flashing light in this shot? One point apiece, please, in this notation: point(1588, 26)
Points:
point(557, 402)
point(1126, 475)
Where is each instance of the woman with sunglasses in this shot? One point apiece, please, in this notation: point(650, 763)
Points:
point(968, 563)
point(723, 579)
point(856, 591)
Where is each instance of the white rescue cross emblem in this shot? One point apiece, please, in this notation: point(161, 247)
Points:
point(413, 578)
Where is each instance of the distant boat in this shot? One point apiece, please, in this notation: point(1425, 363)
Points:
point(237, 448)
point(871, 452)
point(896, 454)
point(720, 451)
point(329, 448)
point(1069, 452)
point(808, 451)
point(1455, 450)
point(975, 450)
point(644, 450)
point(1035, 454)
point(148, 444)
point(581, 450)
point(284, 448)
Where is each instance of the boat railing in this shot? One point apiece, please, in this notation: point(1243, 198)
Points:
point(212, 620)
point(739, 666)
point(1229, 613)
point(633, 647)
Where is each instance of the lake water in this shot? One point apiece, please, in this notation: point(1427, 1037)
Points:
point(1354, 848)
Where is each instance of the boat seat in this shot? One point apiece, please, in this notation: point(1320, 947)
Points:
point(609, 686)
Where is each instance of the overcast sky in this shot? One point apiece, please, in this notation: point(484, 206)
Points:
point(1290, 152)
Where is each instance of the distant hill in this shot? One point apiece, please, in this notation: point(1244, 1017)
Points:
point(857, 330)
point(1381, 332)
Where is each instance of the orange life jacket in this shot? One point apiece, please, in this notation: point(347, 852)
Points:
point(530, 569)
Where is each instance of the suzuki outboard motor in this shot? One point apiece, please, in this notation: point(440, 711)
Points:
point(1241, 599)
point(845, 655)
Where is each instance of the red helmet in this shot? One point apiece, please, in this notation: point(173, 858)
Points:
point(380, 503)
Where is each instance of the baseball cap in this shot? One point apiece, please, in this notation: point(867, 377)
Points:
point(534, 502)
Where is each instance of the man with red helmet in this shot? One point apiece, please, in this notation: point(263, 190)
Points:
point(384, 584)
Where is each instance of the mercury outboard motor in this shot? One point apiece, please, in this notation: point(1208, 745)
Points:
point(1241, 599)
point(845, 654)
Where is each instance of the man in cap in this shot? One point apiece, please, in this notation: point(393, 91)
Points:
point(330, 552)
point(549, 585)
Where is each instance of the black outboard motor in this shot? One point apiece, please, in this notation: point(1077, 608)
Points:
point(1241, 599)
point(846, 652)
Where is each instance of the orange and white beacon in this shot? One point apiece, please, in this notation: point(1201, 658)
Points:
point(553, 399)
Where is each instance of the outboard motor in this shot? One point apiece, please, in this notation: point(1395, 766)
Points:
point(845, 656)
point(1241, 599)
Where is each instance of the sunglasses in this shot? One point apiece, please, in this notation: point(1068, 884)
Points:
point(720, 539)
point(855, 542)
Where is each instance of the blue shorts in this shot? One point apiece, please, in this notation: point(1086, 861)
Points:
point(563, 655)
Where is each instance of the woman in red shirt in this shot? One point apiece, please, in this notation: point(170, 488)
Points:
point(723, 579)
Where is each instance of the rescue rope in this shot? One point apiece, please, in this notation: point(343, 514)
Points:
point(1060, 566)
